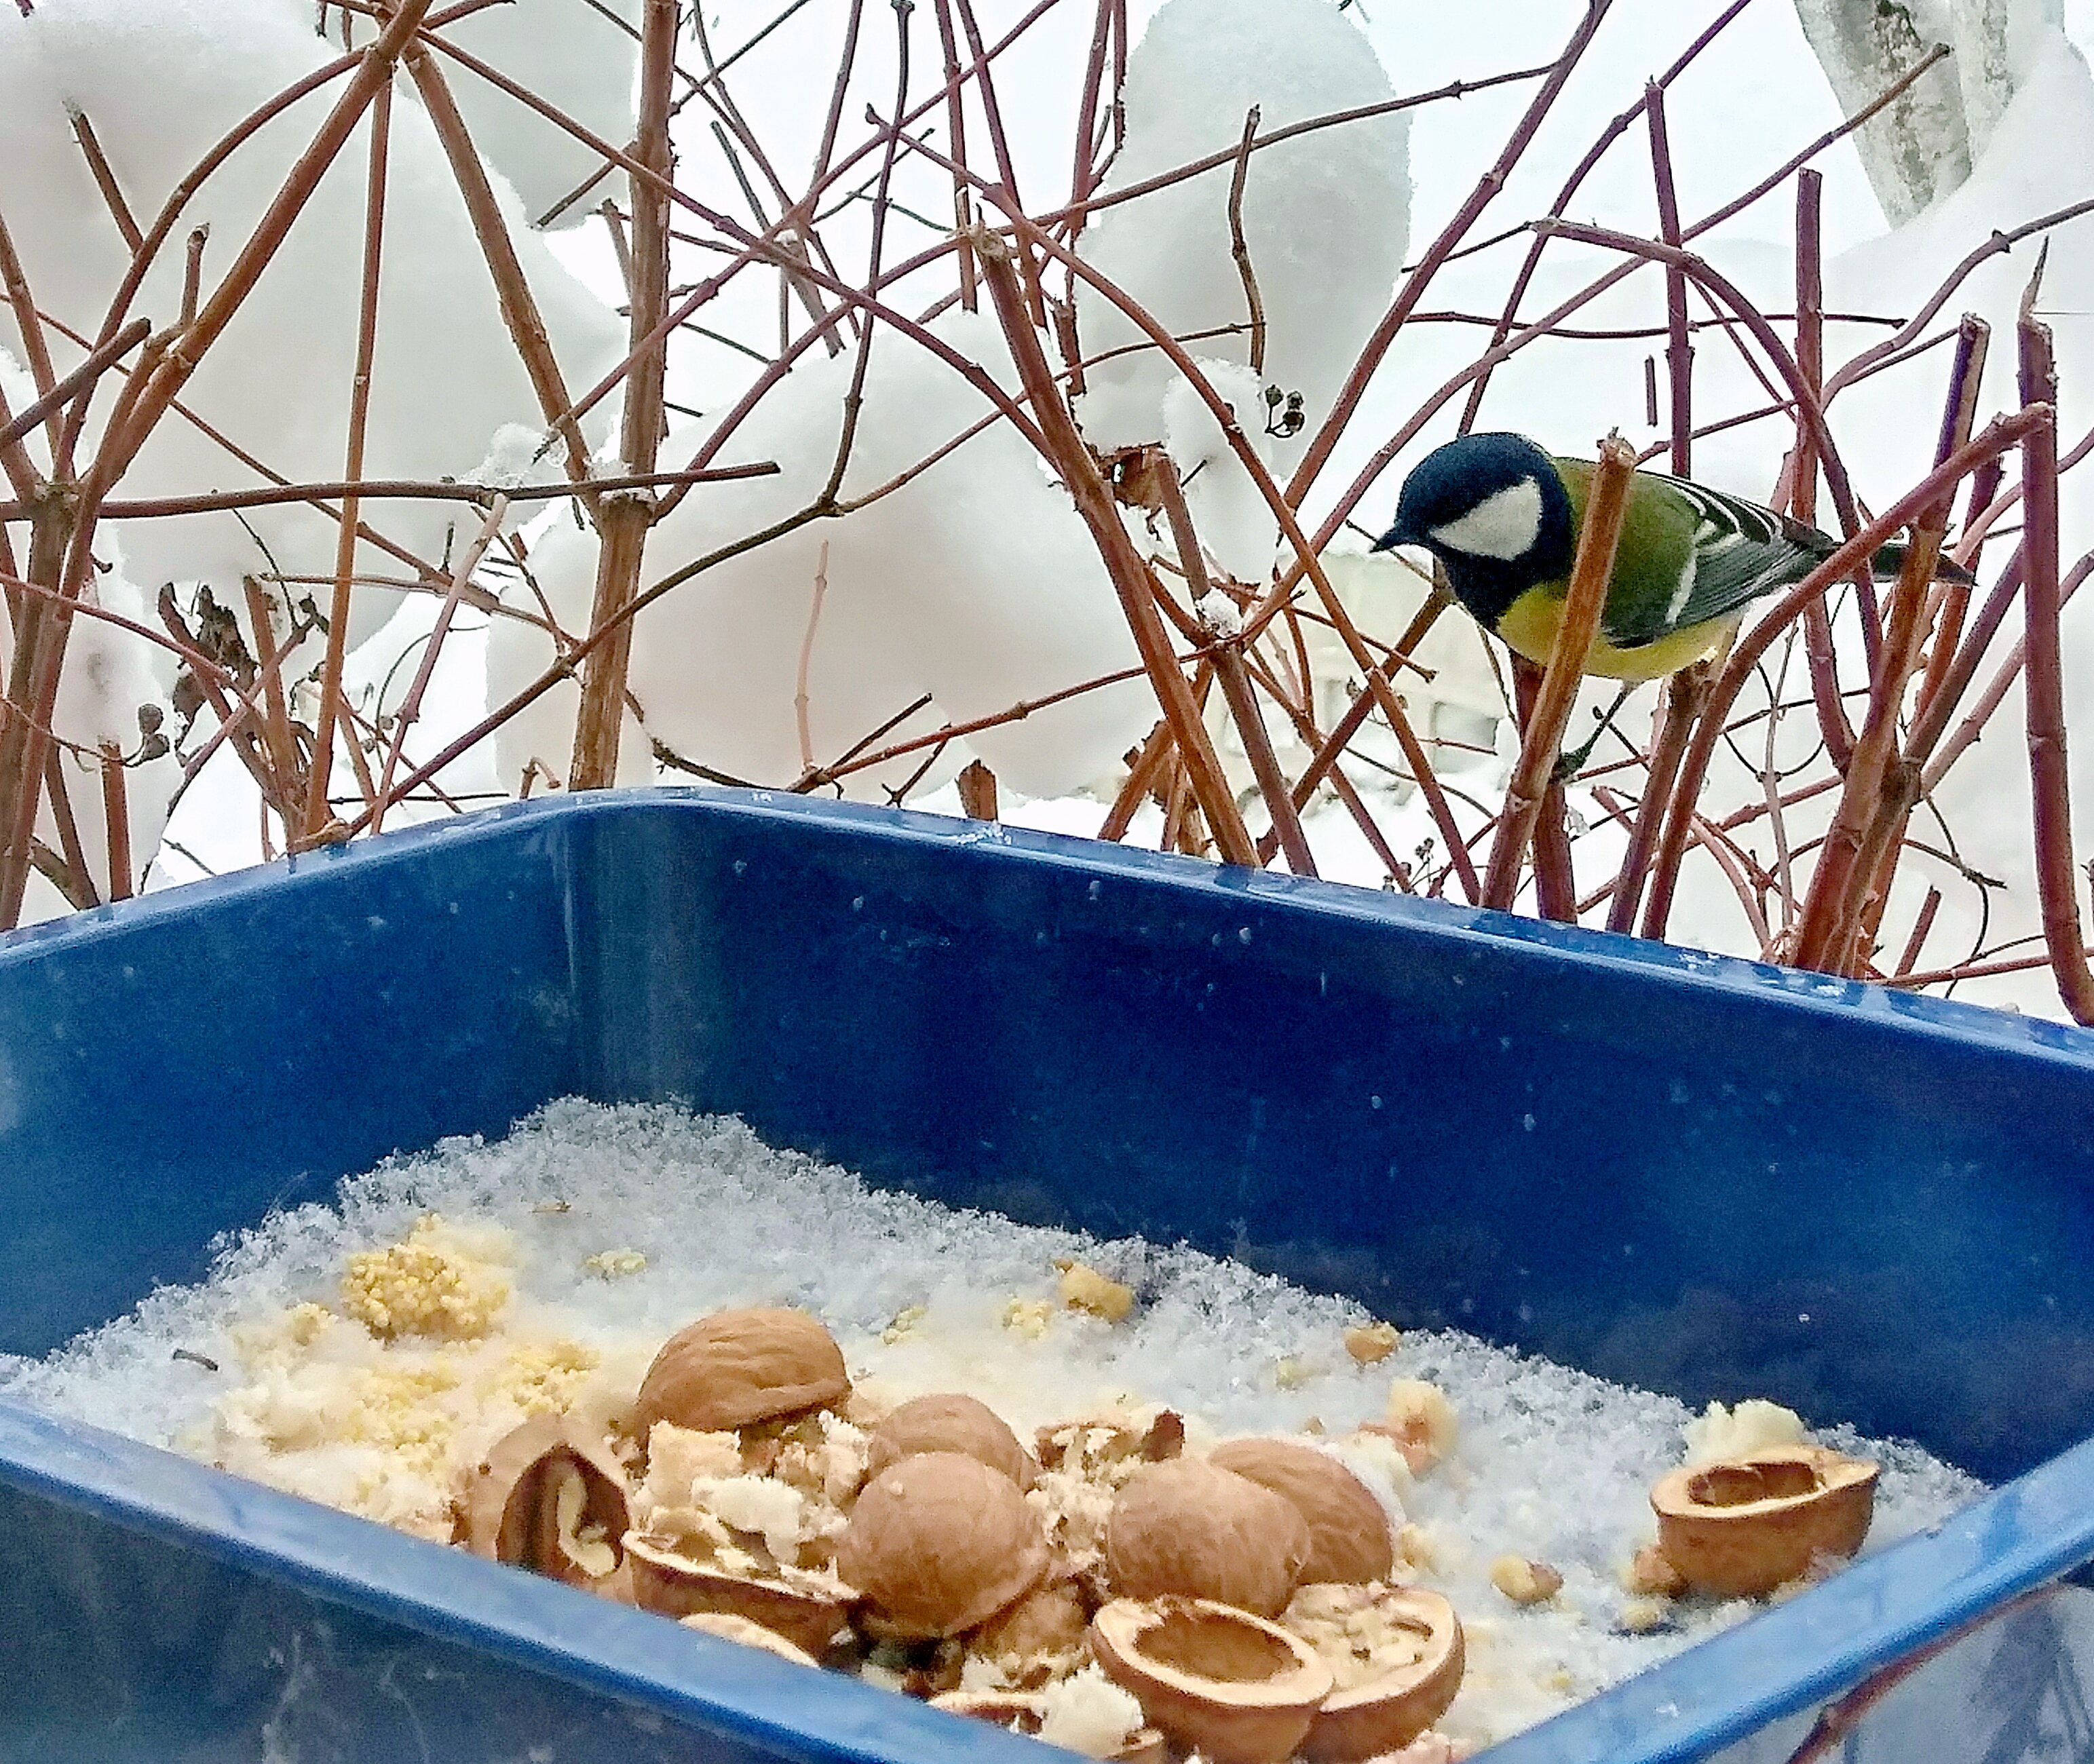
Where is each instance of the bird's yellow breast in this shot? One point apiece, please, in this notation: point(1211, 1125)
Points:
point(1529, 626)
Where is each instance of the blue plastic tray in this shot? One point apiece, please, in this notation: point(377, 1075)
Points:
point(1692, 1174)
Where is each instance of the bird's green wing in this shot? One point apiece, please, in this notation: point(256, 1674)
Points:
point(1689, 553)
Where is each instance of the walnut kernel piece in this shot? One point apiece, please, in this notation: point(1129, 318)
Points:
point(1031, 1317)
point(1524, 1582)
point(1083, 1287)
point(1191, 1528)
point(1370, 1343)
point(950, 1421)
point(941, 1542)
point(1415, 1545)
point(1755, 1425)
point(1639, 1617)
point(1080, 1714)
point(1348, 1532)
point(738, 1367)
point(1397, 1656)
point(1042, 1629)
point(1649, 1574)
point(1238, 1689)
point(1422, 1421)
point(1741, 1527)
point(545, 1498)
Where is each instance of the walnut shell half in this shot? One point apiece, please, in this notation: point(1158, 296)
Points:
point(1025, 1711)
point(749, 1633)
point(1188, 1527)
point(939, 1542)
point(1742, 1526)
point(738, 1367)
point(1397, 1654)
point(1348, 1533)
point(544, 1498)
point(1238, 1688)
point(802, 1610)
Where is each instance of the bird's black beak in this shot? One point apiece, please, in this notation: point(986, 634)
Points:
point(1396, 536)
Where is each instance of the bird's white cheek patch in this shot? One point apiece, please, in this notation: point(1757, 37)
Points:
point(1504, 526)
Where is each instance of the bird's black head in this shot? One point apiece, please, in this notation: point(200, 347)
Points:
point(1494, 510)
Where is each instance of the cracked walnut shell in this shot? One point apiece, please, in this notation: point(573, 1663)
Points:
point(1398, 1655)
point(1188, 1527)
point(1741, 1527)
point(738, 1367)
point(544, 1498)
point(950, 1421)
point(1348, 1529)
point(1238, 1689)
point(939, 1544)
point(805, 1608)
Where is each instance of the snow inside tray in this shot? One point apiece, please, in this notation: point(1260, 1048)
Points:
point(922, 1297)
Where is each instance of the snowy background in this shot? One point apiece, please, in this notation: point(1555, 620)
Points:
point(976, 588)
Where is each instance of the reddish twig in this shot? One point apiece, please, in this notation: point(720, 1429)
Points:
point(1678, 352)
point(1832, 904)
point(1853, 552)
point(1064, 450)
point(2056, 876)
point(1583, 602)
point(1235, 683)
point(623, 520)
point(1686, 693)
point(318, 813)
point(1832, 725)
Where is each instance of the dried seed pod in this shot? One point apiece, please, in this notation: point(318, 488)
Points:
point(950, 1421)
point(1396, 1654)
point(939, 1544)
point(546, 1498)
point(1188, 1528)
point(1349, 1531)
point(1240, 1689)
point(806, 1609)
point(738, 1367)
point(1740, 1528)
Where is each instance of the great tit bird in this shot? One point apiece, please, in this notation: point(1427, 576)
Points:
point(1503, 517)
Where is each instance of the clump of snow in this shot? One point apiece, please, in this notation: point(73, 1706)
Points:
point(1229, 514)
point(1919, 147)
point(1325, 215)
point(161, 82)
point(975, 582)
point(1550, 1464)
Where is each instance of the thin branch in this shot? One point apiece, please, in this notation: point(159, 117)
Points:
point(1584, 601)
point(1239, 248)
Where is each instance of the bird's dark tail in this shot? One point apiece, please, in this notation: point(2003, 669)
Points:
point(1888, 563)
